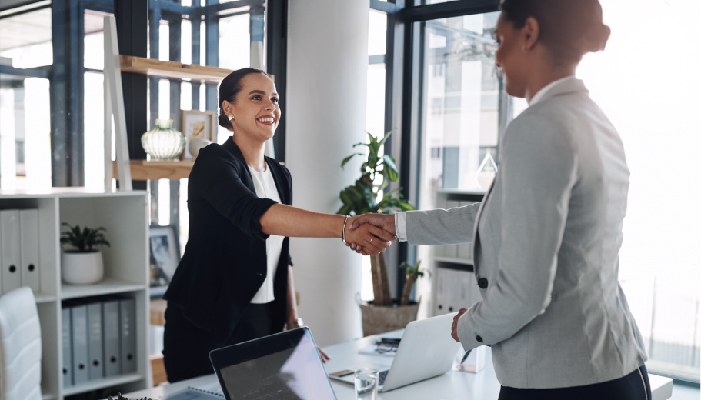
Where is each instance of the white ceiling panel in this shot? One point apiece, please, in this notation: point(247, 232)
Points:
point(25, 29)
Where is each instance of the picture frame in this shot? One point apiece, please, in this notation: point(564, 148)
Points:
point(200, 124)
point(164, 254)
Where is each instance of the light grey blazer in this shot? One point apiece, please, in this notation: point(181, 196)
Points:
point(546, 239)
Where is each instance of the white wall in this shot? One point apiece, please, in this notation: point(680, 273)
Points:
point(327, 61)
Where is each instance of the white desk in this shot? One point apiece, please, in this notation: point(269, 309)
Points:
point(451, 386)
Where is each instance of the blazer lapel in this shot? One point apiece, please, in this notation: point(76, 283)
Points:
point(475, 232)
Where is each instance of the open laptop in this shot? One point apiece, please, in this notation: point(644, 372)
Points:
point(282, 366)
point(426, 350)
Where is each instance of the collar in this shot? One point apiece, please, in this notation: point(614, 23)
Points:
point(273, 167)
point(563, 85)
point(234, 149)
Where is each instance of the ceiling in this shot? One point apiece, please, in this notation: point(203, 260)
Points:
point(20, 30)
point(5, 4)
point(34, 27)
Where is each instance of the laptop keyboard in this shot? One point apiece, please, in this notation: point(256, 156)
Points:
point(383, 376)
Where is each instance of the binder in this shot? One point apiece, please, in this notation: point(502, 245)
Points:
point(67, 359)
point(127, 337)
point(95, 348)
point(29, 246)
point(79, 326)
point(110, 334)
point(452, 287)
point(9, 250)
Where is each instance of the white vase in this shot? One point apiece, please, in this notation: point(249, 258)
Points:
point(196, 144)
point(80, 268)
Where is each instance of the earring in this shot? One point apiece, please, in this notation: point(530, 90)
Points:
point(230, 117)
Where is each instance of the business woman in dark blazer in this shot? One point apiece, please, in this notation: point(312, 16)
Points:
point(234, 282)
point(546, 235)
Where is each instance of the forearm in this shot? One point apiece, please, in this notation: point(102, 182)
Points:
point(435, 227)
point(291, 298)
point(289, 221)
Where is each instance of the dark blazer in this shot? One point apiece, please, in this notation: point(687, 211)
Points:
point(225, 260)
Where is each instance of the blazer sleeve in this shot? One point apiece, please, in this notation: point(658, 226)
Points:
point(221, 186)
point(289, 179)
point(439, 226)
point(537, 173)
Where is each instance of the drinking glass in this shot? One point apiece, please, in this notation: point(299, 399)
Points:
point(366, 382)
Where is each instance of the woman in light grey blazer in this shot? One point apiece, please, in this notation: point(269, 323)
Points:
point(547, 233)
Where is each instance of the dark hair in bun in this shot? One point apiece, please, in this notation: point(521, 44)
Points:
point(229, 88)
point(568, 28)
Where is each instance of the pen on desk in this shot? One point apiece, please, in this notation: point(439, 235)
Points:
point(467, 353)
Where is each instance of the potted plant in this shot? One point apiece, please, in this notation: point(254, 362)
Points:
point(82, 265)
point(365, 196)
point(412, 274)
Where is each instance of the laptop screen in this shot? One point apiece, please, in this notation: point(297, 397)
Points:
point(289, 369)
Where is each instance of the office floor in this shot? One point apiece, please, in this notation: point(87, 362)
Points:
point(685, 392)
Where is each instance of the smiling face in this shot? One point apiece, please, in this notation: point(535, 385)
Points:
point(511, 57)
point(256, 110)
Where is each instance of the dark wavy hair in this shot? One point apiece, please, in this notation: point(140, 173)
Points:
point(567, 28)
point(229, 88)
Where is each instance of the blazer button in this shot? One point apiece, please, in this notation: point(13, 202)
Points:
point(482, 283)
point(479, 338)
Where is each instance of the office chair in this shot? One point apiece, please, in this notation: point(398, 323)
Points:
point(20, 349)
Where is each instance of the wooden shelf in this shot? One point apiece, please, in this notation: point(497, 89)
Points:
point(101, 383)
point(453, 260)
point(106, 286)
point(172, 69)
point(142, 170)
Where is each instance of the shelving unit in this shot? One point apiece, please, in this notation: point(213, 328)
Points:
point(124, 215)
point(143, 170)
point(453, 284)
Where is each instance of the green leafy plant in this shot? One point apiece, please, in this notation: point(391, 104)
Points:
point(367, 196)
point(84, 240)
point(412, 274)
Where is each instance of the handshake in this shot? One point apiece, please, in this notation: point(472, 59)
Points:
point(370, 234)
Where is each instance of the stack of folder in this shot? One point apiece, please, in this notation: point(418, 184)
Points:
point(19, 249)
point(98, 339)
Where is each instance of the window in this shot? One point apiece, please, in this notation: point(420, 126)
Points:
point(375, 106)
point(646, 96)
point(461, 103)
point(25, 124)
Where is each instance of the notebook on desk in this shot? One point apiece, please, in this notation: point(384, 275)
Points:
point(284, 366)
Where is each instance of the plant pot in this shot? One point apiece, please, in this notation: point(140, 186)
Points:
point(381, 319)
point(81, 268)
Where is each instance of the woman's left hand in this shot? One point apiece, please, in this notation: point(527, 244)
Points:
point(324, 357)
point(456, 318)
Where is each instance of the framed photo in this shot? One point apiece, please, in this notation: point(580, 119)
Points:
point(164, 253)
point(197, 124)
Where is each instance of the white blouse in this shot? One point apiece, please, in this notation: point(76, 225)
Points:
point(265, 188)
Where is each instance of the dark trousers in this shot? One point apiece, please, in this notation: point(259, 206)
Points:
point(186, 347)
point(634, 386)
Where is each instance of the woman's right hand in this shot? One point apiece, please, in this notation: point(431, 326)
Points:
point(371, 239)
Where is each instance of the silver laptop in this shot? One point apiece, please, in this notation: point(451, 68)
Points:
point(426, 343)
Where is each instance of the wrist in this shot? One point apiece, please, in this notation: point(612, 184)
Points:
point(295, 323)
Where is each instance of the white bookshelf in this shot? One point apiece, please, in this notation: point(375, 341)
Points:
point(452, 279)
point(124, 215)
